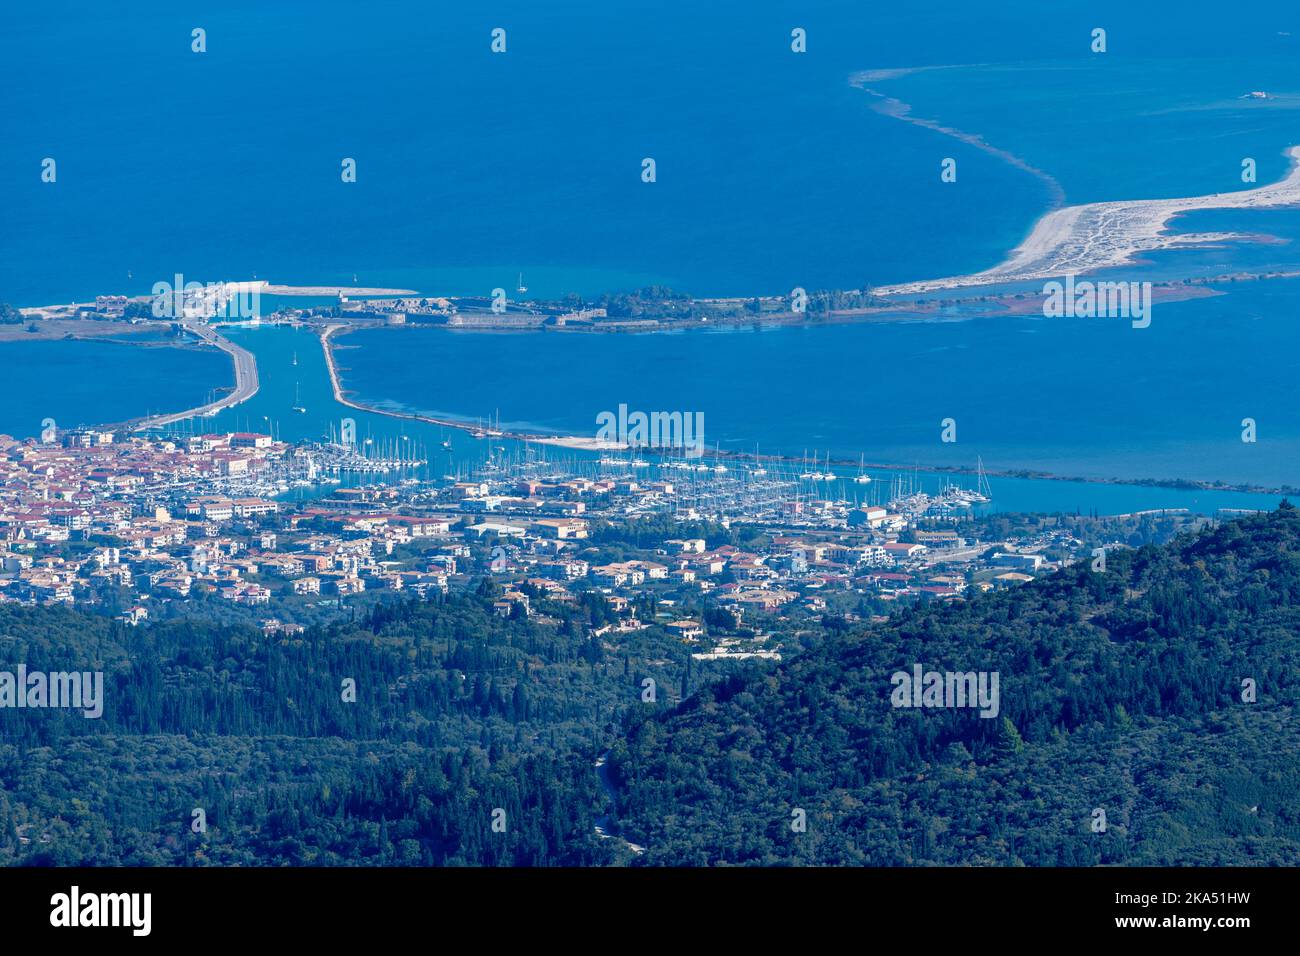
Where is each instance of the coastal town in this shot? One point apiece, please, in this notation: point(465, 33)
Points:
point(194, 317)
point(146, 519)
point(150, 519)
point(569, 439)
point(287, 534)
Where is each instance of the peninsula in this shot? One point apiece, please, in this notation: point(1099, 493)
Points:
point(1086, 238)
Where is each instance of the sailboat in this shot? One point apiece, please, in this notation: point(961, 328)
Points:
point(862, 477)
point(521, 287)
point(817, 475)
point(295, 358)
point(805, 474)
point(982, 493)
point(297, 402)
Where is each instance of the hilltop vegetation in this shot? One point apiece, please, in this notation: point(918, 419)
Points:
point(458, 713)
point(1120, 691)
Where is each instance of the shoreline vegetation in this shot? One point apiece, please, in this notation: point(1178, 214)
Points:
point(330, 333)
point(660, 309)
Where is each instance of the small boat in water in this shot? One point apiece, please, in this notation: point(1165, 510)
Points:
point(862, 478)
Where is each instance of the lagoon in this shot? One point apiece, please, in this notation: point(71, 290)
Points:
point(1093, 398)
point(100, 382)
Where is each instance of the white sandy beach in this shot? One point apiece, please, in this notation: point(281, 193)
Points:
point(1080, 239)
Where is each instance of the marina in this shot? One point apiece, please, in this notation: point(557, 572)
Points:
point(448, 446)
point(885, 465)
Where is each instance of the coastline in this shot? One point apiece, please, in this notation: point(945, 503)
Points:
point(88, 330)
point(1094, 236)
point(590, 443)
point(1074, 239)
point(577, 442)
point(326, 334)
point(246, 382)
point(333, 290)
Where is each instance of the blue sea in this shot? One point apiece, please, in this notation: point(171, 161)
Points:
point(1081, 397)
point(99, 382)
point(296, 403)
point(773, 171)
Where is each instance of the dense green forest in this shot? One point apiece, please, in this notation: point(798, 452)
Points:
point(1120, 691)
point(457, 713)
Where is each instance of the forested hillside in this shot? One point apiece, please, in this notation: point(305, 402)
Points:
point(457, 713)
point(1120, 691)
